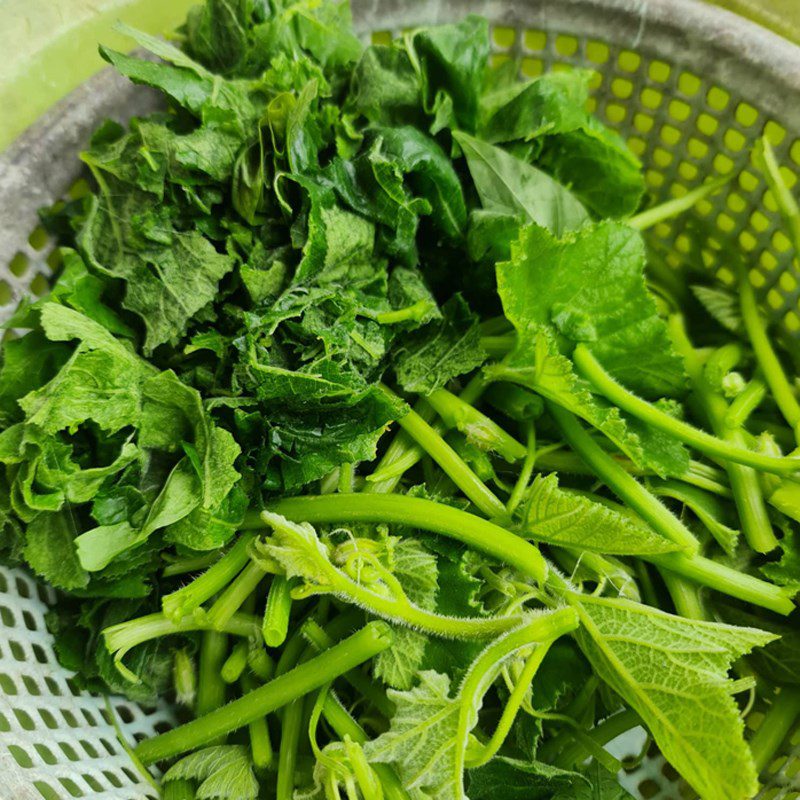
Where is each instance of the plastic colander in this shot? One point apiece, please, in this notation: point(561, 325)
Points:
point(691, 88)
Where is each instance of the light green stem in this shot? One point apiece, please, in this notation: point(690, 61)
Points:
point(672, 208)
point(453, 465)
point(744, 482)
point(771, 368)
point(275, 625)
point(231, 600)
point(524, 478)
point(473, 531)
point(236, 663)
point(777, 724)
point(646, 505)
point(185, 600)
point(685, 596)
point(592, 370)
point(746, 403)
point(210, 686)
point(511, 708)
point(475, 425)
point(260, 742)
point(304, 678)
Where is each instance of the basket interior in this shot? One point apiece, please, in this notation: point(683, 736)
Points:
point(689, 95)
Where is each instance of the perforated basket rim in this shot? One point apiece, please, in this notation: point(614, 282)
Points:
point(723, 48)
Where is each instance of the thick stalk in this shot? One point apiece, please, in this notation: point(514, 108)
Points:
point(304, 678)
point(185, 600)
point(235, 663)
point(601, 734)
point(344, 725)
point(592, 370)
point(291, 728)
point(621, 483)
point(125, 636)
point(475, 532)
point(321, 640)
point(727, 580)
point(475, 425)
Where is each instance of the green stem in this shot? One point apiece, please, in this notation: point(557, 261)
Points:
point(485, 667)
point(624, 486)
point(235, 663)
point(124, 636)
point(771, 369)
point(322, 640)
point(260, 663)
point(344, 725)
point(452, 464)
point(185, 600)
point(180, 566)
point(393, 605)
point(475, 425)
point(744, 482)
point(210, 686)
point(787, 205)
point(685, 596)
point(475, 532)
point(260, 742)
point(700, 570)
point(304, 678)
point(414, 312)
point(592, 370)
point(511, 708)
point(521, 486)
point(403, 453)
point(727, 580)
point(400, 456)
point(346, 475)
point(291, 728)
point(672, 208)
point(745, 403)
point(777, 724)
point(275, 625)
point(230, 601)
point(499, 346)
point(601, 734)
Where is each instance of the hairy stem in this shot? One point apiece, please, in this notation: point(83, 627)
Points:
point(475, 532)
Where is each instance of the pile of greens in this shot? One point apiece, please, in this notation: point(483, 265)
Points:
point(586, 518)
